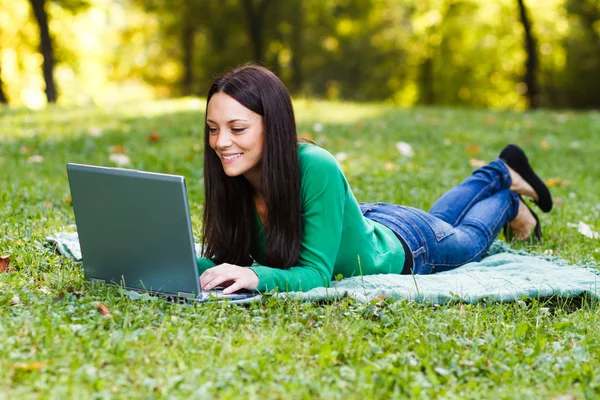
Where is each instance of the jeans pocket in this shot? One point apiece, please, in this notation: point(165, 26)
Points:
point(440, 228)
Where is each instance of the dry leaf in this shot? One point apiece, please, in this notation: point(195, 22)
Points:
point(552, 182)
point(476, 163)
point(94, 131)
point(341, 157)
point(544, 144)
point(15, 300)
point(31, 366)
point(118, 149)
point(69, 200)
point(405, 149)
point(585, 230)
point(36, 158)
point(153, 137)
point(490, 120)
point(4, 261)
point(473, 149)
point(120, 159)
point(390, 166)
point(103, 310)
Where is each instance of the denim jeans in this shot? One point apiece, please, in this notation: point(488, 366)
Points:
point(460, 226)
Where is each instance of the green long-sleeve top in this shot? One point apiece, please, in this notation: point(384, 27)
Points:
point(337, 239)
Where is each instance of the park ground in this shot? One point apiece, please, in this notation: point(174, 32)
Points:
point(56, 342)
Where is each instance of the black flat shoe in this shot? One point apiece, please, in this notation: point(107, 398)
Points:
point(515, 158)
point(534, 237)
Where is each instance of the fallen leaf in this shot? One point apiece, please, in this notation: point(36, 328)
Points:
point(153, 137)
point(31, 366)
point(103, 310)
point(15, 300)
point(405, 149)
point(36, 158)
point(390, 166)
point(476, 163)
point(69, 200)
point(473, 149)
point(4, 261)
point(585, 230)
point(94, 131)
point(341, 157)
point(544, 144)
point(118, 149)
point(490, 120)
point(120, 159)
point(552, 182)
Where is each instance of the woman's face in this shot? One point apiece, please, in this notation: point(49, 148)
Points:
point(237, 135)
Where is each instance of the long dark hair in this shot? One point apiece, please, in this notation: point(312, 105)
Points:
point(229, 208)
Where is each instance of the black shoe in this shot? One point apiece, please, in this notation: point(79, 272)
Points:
point(535, 236)
point(515, 158)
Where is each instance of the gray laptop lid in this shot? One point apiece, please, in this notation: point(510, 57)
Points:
point(134, 228)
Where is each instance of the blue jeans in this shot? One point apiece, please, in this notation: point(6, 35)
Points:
point(460, 226)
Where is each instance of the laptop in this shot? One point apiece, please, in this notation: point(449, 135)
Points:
point(135, 231)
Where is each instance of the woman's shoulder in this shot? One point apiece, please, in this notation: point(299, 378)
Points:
point(311, 155)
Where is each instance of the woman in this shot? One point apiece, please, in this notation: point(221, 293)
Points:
point(280, 214)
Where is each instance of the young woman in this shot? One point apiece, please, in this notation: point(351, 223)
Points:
point(280, 214)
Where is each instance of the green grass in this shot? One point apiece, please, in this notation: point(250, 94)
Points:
point(55, 344)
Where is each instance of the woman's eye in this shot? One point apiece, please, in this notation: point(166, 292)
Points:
point(238, 130)
point(212, 130)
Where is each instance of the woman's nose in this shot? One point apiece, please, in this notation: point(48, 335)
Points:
point(224, 140)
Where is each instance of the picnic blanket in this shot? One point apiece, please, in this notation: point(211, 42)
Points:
point(504, 274)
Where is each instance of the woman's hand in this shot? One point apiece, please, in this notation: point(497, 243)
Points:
point(232, 276)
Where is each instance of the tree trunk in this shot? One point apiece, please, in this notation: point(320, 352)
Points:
point(426, 78)
point(187, 45)
point(45, 48)
point(255, 14)
point(531, 64)
point(3, 98)
point(296, 46)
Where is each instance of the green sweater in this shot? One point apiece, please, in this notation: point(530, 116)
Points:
point(337, 239)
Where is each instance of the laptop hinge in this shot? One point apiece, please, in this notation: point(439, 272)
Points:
point(97, 280)
point(186, 295)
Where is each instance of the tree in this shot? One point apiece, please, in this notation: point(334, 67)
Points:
point(46, 48)
point(531, 64)
point(3, 98)
point(255, 18)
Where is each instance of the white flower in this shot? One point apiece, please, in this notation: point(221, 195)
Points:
point(405, 149)
point(318, 127)
point(120, 159)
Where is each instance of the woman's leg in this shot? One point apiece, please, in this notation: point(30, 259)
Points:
point(454, 205)
point(438, 246)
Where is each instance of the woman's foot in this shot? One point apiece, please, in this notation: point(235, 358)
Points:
point(517, 161)
point(524, 224)
point(520, 185)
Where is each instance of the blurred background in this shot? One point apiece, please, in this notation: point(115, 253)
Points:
point(508, 54)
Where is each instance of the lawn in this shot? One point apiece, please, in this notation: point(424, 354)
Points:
point(56, 344)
